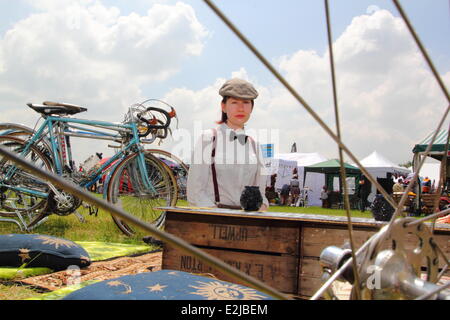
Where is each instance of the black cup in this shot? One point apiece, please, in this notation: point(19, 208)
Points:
point(251, 198)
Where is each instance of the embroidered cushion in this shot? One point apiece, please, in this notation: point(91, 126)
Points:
point(34, 250)
point(166, 285)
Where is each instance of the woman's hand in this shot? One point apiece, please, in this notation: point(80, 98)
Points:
point(263, 208)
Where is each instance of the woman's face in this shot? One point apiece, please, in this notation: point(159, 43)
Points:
point(238, 112)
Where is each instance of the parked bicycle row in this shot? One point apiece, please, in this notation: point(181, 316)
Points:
point(137, 179)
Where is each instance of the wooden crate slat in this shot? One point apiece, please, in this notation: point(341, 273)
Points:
point(279, 272)
point(242, 234)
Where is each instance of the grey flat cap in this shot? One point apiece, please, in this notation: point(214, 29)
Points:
point(238, 88)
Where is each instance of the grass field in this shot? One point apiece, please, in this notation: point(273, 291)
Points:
point(102, 228)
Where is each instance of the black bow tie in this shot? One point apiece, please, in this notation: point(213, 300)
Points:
point(242, 138)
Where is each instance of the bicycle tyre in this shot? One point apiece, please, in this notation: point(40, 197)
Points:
point(12, 201)
point(23, 132)
point(180, 173)
point(125, 188)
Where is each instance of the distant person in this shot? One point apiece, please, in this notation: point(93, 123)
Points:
point(271, 194)
point(284, 194)
point(295, 189)
point(364, 189)
point(324, 197)
point(398, 186)
point(426, 185)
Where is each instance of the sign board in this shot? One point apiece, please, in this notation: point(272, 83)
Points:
point(267, 150)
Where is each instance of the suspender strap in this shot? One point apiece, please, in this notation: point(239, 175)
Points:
point(213, 166)
point(214, 175)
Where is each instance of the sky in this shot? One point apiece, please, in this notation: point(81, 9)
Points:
point(107, 55)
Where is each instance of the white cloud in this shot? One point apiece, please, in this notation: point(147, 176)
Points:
point(388, 99)
point(87, 53)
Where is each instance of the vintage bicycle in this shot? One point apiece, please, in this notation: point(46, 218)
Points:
point(133, 178)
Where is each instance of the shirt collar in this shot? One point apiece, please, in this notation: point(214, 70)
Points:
point(227, 129)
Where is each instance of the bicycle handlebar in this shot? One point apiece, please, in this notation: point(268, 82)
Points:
point(155, 123)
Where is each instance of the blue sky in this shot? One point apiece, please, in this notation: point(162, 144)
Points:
point(384, 86)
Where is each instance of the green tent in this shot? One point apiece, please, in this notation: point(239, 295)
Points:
point(437, 149)
point(331, 169)
point(332, 166)
point(438, 144)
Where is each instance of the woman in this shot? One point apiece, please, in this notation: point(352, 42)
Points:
point(225, 160)
point(295, 190)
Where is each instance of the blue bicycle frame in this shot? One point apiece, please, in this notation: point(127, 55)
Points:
point(59, 142)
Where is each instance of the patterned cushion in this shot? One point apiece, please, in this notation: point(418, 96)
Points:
point(165, 285)
point(34, 250)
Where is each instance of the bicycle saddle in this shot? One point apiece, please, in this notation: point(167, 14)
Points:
point(52, 108)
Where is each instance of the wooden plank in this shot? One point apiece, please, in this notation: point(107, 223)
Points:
point(273, 216)
point(308, 286)
point(304, 218)
point(236, 233)
point(280, 272)
point(315, 239)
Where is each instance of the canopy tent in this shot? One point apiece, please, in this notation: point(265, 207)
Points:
point(303, 159)
point(313, 181)
point(380, 167)
point(438, 147)
point(376, 162)
point(331, 169)
point(332, 166)
point(437, 152)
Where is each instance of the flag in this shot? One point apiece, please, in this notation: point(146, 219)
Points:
point(294, 147)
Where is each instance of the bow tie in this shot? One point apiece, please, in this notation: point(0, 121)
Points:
point(242, 138)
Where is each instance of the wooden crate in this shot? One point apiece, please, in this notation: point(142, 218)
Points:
point(266, 251)
point(280, 249)
point(429, 202)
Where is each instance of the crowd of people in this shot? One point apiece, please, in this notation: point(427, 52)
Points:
point(290, 193)
point(401, 183)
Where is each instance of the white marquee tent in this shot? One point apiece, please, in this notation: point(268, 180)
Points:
point(431, 170)
point(378, 166)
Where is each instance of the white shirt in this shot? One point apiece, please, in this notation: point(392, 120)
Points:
point(236, 165)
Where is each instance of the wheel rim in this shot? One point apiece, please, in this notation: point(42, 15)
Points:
point(127, 190)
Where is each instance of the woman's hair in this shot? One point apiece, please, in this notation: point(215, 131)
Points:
point(224, 116)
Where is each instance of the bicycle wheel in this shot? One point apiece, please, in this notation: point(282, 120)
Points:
point(24, 132)
point(21, 190)
point(177, 167)
point(127, 189)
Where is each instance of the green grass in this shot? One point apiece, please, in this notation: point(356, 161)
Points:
point(321, 211)
point(100, 228)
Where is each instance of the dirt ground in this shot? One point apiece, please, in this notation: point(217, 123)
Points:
point(102, 270)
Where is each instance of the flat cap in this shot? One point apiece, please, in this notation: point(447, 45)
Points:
point(238, 88)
